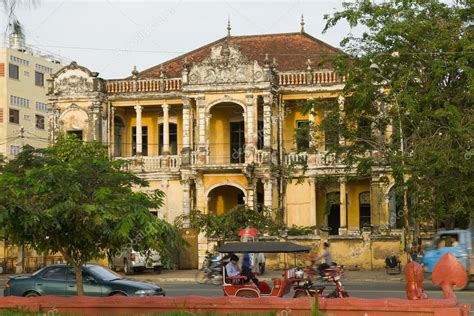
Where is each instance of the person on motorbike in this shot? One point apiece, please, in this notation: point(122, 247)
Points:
point(326, 255)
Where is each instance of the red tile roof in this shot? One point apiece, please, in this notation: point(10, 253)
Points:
point(291, 51)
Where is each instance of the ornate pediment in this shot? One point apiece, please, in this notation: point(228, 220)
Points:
point(75, 79)
point(226, 64)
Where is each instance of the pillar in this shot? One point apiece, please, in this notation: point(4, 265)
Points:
point(166, 129)
point(251, 197)
point(112, 132)
point(312, 139)
point(250, 139)
point(268, 194)
point(201, 104)
point(186, 139)
point(312, 203)
point(186, 197)
point(267, 122)
point(343, 206)
point(138, 112)
point(340, 101)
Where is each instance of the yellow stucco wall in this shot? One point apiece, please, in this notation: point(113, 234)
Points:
point(151, 117)
point(292, 116)
point(223, 199)
point(173, 200)
point(298, 203)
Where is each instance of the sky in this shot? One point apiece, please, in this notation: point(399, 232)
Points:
point(110, 36)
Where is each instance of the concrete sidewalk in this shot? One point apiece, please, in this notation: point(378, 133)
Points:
point(192, 276)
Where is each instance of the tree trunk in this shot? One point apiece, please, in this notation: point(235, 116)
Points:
point(79, 283)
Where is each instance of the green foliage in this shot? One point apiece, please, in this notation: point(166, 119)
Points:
point(408, 100)
point(70, 198)
point(229, 224)
point(296, 230)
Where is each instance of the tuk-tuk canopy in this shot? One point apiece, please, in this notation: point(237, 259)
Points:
point(262, 246)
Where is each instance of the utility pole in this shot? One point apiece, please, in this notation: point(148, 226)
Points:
point(21, 250)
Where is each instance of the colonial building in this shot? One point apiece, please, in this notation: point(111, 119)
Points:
point(211, 128)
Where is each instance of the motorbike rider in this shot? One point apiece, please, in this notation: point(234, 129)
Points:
point(326, 255)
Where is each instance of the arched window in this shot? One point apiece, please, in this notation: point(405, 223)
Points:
point(173, 132)
point(364, 209)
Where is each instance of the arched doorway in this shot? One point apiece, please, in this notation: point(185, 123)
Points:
point(333, 205)
point(223, 198)
point(119, 127)
point(226, 133)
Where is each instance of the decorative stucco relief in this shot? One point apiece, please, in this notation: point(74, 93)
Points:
point(226, 64)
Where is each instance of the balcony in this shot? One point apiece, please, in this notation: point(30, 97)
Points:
point(152, 163)
point(309, 78)
point(143, 85)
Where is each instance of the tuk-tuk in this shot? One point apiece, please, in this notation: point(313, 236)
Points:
point(296, 279)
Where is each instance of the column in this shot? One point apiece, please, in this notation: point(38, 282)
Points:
point(251, 136)
point(186, 139)
point(200, 101)
point(138, 112)
point(251, 197)
point(267, 122)
point(312, 139)
point(343, 206)
point(312, 203)
point(112, 131)
point(340, 101)
point(166, 129)
point(186, 197)
point(267, 194)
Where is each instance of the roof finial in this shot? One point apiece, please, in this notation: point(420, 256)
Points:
point(228, 26)
point(302, 23)
point(134, 72)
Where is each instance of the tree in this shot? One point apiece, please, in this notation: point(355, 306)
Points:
point(72, 199)
point(228, 225)
point(408, 101)
point(9, 7)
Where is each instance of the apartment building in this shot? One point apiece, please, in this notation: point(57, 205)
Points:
point(23, 101)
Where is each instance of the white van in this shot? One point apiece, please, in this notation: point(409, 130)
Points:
point(131, 261)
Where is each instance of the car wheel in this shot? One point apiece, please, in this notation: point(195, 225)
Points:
point(31, 294)
point(127, 269)
point(246, 294)
point(158, 269)
point(118, 294)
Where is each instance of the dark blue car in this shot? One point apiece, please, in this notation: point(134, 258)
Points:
point(60, 279)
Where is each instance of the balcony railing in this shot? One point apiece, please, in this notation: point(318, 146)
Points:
point(308, 78)
point(143, 85)
point(152, 163)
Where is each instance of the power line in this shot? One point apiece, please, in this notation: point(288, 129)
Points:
point(263, 54)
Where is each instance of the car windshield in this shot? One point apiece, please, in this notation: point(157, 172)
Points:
point(103, 273)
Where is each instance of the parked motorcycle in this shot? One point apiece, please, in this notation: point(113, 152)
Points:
point(330, 275)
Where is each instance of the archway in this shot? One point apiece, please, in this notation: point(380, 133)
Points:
point(226, 133)
point(223, 198)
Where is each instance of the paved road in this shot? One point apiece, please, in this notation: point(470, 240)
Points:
point(394, 289)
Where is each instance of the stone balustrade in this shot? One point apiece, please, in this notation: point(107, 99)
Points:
point(308, 78)
point(143, 85)
point(175, 84)
point(152, 163)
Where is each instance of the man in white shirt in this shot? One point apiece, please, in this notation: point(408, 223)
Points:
point(232, 268)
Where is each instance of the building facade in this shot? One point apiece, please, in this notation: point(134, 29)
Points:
point(23, 101)
point(212, 127)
